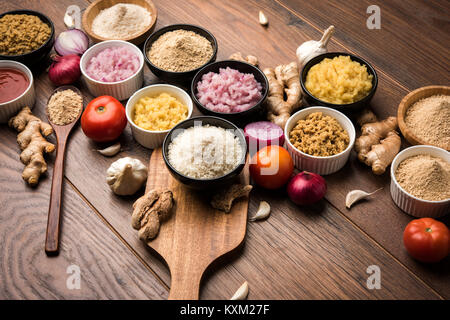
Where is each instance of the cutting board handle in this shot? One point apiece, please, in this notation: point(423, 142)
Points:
point(185, 284)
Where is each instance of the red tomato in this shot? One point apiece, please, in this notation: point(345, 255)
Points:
point(427, 240)
point(271, 167)
point(104, 119)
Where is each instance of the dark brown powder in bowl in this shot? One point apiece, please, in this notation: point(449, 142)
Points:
point(425, 177)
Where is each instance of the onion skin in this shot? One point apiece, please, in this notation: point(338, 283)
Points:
point(65, 70)
point(306, 188)
point(73, 41)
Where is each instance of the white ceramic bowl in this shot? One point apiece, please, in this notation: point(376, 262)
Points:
point(154, 139)
point(407, 202)
point(319, 165)
point(10, 108)
point(120, 90)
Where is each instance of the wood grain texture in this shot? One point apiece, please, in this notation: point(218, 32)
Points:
point(108, 269)
point(299, 252)
point(195, 234)
point(411, 46)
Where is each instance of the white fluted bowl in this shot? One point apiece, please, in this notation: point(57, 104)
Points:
point(120, 90)
point(319, 165)
point(27, 98)
point(409, 203)
point(148, 138)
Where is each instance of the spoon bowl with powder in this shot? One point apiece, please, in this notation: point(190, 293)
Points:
point(64, 108)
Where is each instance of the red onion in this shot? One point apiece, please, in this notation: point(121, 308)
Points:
point(263, 133)
point(306, 188)
point(65, 70)
point(73, 41)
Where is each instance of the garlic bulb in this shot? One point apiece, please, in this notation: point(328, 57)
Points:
point(310, 49)
point(126, 176)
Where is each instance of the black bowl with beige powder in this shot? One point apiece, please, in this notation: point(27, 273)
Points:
point(185, 40)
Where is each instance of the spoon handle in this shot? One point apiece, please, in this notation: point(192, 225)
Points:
point(54, 211)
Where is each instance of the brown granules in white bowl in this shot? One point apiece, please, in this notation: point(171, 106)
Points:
point(319, 135)
point(429, 120)
point(180, 51)
point(64, 107)
point(425, 177)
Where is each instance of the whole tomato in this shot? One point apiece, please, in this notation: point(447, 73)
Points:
point(427, 240)
point(104, 119)
point(271, 167)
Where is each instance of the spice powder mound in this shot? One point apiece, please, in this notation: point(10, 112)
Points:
point(180, 51)
point(425, 177)
point(319, 135)
point(64, 107)
point(429, 120)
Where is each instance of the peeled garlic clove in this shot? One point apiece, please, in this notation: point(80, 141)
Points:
point(241, 293)
point(69, 21)
point(263, 211)
point(263, 19)
point(357, 195)
point(111, 150)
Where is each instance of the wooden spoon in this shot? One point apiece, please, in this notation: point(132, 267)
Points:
point(54, 212)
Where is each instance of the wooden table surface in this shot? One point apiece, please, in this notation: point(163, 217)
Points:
point(317, 252)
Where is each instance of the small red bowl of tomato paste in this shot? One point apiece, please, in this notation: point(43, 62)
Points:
point(16, 88)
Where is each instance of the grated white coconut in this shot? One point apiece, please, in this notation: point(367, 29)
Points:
point(205, 152)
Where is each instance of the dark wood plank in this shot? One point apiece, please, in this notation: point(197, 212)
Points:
point(411, 46)
point(271, 49)
point(86, 170)
point(380, 218)
point(108, 269)
point(309, 253)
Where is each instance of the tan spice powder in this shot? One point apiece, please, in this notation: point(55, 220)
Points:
point(425, 177)
point(319, 135)
point(429, 120)
point(64, 107)
point(180, 51)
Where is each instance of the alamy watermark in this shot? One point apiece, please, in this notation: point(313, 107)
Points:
point(374, 280)
point(73, 281)
point(374, 20)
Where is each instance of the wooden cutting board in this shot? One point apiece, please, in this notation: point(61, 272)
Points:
point(195, 234)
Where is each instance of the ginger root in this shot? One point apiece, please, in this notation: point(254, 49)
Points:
point(32, 143)
point(284, 79)
point(149, 211)
point(224, 199)
point(249, 59)
point(379, 143)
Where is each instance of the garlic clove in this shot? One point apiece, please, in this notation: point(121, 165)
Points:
point(263, 19)
point(111, 150)
point(241, 293)
point(263, 211)
point(357, 195)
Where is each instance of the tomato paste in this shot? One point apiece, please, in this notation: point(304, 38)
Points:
point(13, 83)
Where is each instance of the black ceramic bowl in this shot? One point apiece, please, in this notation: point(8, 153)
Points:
point(313, 101)
point(202, 184)
point(239, 118)
point(178, 76)
point(33, 57)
